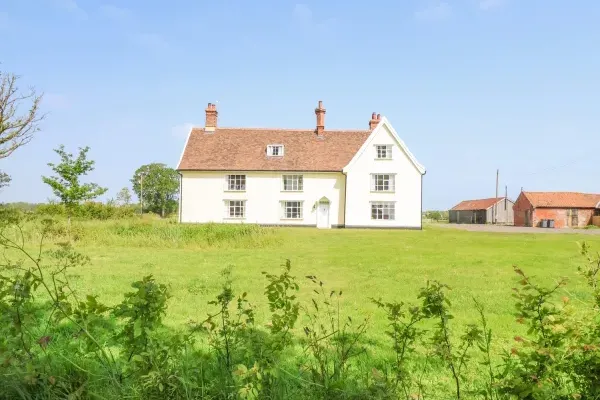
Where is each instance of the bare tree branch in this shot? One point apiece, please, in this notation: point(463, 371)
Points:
point(17, 129)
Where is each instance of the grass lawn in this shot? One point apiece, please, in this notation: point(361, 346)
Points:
point(391, 264)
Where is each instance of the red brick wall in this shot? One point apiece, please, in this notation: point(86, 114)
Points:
point(560, 216)
point(519, 208)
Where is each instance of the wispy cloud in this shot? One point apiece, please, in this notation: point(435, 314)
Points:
point(490, 4)
point(305, 21)
point(181, 131)
point(434, 12)
point(56, 101)
point(150, 41)
point(115, 13)
point(72, 7)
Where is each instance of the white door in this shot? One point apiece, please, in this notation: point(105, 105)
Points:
point(323, 216)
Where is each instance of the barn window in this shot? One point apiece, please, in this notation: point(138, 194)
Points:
point(384, 151)
point(597, 212)
point(383, 210)
point(382, 182)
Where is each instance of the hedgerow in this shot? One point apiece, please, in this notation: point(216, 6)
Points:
point(57, 343)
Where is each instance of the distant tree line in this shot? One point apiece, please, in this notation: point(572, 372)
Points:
point(435, 215)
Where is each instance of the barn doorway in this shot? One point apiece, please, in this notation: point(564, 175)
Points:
point(573, 218)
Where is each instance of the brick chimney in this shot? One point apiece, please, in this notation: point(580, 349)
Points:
point(375, 119)
point(211, 117)
point(320, 113)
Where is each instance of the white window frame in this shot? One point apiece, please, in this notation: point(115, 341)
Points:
point(387, 211)
point(297, 182)
point(271, 150)
point(285, 207)
point(377, 186)
point(231, 204)
point(383, 149)
point(235, 183)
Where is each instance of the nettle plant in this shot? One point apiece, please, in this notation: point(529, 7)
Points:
point(58, 343)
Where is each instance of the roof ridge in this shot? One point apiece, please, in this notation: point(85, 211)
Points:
point(283, 129)
point(593, 194)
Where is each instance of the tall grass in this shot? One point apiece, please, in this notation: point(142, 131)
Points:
point(136, 232)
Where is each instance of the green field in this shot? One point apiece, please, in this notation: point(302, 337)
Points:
point(391, 264)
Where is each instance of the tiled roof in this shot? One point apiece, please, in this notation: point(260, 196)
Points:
point(472, 205)
point(244, 149)
point(563, 199)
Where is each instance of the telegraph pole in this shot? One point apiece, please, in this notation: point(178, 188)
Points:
point(506, 204)
point(495, 218)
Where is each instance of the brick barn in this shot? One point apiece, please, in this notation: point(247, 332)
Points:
point(482, 211)
point(567, 209)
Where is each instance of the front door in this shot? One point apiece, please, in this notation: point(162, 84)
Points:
point(323, 216)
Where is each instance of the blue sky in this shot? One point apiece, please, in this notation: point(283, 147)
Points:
point(470, 85)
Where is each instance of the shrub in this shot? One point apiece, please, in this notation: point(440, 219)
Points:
point(56, 343)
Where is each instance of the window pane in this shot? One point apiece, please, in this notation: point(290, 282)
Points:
point(383, 210)
point(237, 209)
point(293, 183)
point(292, 209)
point(236, 182)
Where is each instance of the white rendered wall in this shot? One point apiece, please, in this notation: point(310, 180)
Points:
point(203, 196)
point(407, 193)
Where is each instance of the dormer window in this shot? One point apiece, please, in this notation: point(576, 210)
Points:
point(275, 150)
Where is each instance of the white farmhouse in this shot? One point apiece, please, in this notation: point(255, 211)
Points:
point(300, 177)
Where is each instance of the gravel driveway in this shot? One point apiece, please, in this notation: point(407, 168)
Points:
point(516, 229)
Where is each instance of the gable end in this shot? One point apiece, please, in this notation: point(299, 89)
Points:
point(385, 124)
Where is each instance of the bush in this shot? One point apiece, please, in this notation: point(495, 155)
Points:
point(56, 343)
point(88, 211)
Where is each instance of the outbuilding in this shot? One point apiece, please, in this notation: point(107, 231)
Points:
point(556, 209)
point(483, 211)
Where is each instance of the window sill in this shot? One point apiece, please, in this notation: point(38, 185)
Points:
point(292, 219)
point(236, 218)
point(292, 191)
point(383, 191)
point(391, 220)
point(384, 159)
point(234, 191)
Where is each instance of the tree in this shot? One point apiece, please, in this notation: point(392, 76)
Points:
point(4, 179)
point(66, 185)
point(160, 187)
point(124, 197)
point(16, 129)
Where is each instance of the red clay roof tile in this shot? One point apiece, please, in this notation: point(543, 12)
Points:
point(472, 205)
point(563, 199)
point(244, 149)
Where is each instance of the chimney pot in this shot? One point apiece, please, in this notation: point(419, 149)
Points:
point(374, 121)
point(378, 117)
point(211, 118)
point(320, 113)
